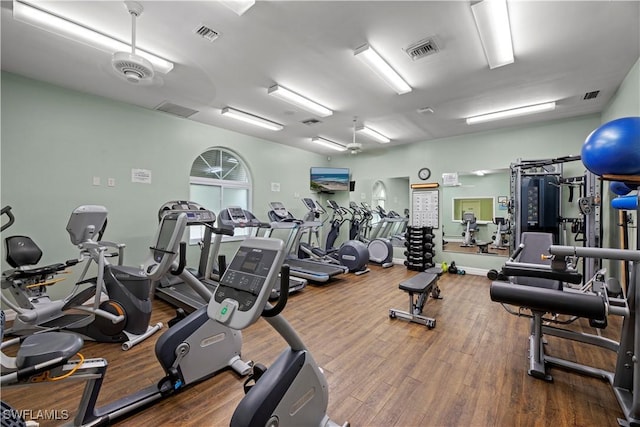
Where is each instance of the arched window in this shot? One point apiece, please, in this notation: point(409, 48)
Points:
point(219, 179)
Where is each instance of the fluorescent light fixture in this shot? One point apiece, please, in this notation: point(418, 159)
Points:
point(250, 118)
point(328, 143)
point(374, 61)
point(48, 21)
point(299, 100)
point(492, 20)
point(373, 134)
point(505, 114)
point(238, 6)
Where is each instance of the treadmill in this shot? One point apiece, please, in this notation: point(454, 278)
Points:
point(179, 294)
point(236, 217)
point(314, 271)
point(171, 288)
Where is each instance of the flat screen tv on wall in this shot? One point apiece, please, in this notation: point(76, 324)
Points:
point(327, 180)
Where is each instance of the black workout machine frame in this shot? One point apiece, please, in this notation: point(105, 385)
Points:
point(625, 380)
point(419, 287)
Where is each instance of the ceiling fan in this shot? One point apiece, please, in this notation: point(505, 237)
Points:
point(354, 147)
point(128, 65)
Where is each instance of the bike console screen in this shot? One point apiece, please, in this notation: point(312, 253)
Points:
point(242, 292)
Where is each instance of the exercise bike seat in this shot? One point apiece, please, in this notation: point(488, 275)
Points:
point(22, 251)
point(40, 348)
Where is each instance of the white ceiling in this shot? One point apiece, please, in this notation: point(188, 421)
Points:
point(563, 49)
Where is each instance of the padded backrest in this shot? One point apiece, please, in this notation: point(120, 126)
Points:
point(535, 245)
point(469, 217)
point(21, 251)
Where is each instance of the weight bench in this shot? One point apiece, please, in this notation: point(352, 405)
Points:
point(419, 285)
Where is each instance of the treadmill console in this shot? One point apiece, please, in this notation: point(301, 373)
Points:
point(237, 216)
point(246, 284)
point(165, 248)
point(196, 214)
point(279, 209)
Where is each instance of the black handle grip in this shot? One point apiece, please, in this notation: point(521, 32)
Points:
point(222, 265)
point(182, 261)
point(225, 230)
point(517, 251)
point(7, 211)
point(284, 294)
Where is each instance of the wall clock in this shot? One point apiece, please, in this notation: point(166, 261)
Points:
point(424, 174)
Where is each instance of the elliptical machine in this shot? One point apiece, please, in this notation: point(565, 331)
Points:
point(192, 350)
point(380, 249)
point(353, 254)
point(123, 318)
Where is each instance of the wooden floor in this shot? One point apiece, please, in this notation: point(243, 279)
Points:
point(468, 371)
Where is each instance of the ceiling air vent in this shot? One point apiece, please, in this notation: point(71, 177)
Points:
point(591, 95)
point(176, 110)
point(422, 48)
point(311, 122)
point(207, 33)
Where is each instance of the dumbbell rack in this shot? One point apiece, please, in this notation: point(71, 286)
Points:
point(420, 250)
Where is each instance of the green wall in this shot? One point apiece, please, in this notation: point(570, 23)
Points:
point(465, 153)
point(54, 141)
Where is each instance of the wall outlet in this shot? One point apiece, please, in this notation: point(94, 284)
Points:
point(111, 182)
point(296, 195)
point(96, 180)
point(275, 187)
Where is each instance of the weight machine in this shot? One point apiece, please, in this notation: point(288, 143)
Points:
point(538, 189)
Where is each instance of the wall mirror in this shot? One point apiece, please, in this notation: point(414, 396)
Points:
point(483, 197)
point(391, 194)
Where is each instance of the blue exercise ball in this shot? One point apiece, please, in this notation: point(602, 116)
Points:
point(614, 148)
point(619, 188)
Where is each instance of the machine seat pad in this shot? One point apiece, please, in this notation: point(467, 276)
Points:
point(421, 282)
point(46, 346)
point(590, 306)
